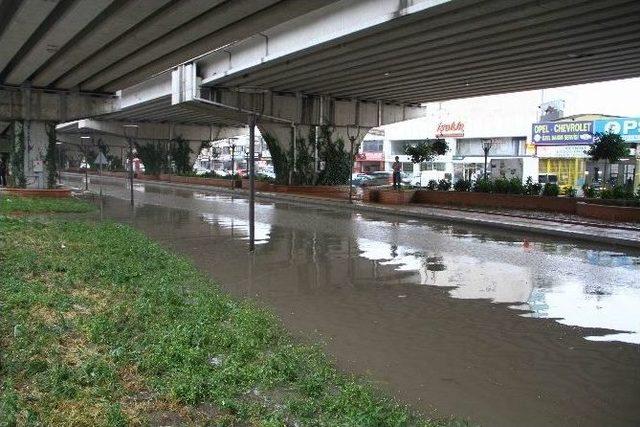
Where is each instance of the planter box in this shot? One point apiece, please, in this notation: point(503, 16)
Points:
point(608, 213)
point(371, 195)
point(259, 185)
point(329, 191)
point(37, 192)
point(490, 200)
point(396, 197)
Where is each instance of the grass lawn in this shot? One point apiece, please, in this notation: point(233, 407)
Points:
point(13, 204)
point(100, 326)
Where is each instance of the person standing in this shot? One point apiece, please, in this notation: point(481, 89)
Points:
point(3, 173)
point(397, 166)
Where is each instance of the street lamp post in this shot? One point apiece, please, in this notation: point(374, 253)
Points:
point(252, 180)
point(486, 147)
point(352, 140)
point(86, 162)
point(130, 132)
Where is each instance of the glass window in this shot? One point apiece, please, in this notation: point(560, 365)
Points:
point(372, 146)
point(407, 167)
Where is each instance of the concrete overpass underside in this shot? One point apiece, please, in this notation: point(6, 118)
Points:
point(436, 50)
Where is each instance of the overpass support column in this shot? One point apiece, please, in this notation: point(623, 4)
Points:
point(33, 143)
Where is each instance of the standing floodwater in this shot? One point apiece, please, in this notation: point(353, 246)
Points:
point(440, 315)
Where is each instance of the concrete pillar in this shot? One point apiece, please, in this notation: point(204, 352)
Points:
point(30, 139)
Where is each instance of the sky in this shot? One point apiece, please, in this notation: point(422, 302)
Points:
point(616, 97)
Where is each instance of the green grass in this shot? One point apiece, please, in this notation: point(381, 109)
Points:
point(100, 326)
point(10, 204)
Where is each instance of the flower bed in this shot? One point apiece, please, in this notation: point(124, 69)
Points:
point(608, 213)
point(39, 192)
point(492, 200)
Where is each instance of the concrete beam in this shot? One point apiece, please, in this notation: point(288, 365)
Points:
point(104, 32)
point(28, 104)
point(72, 21)
point(25, 21)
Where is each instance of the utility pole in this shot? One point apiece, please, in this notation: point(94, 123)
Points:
point(252, 183)
point(130, 131)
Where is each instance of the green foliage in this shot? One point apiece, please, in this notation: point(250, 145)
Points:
point(96, 317)
point(337, 160)
point(332, 153)
point(279, 158)
point(50, 159)
point(532, 188)
point(17, 156)
point(589, 191)
point(180, 152)
point(500, 185)
point(462, 185)
point(608, 146)
point(10, 204)
point(483, 186)
point(432, 184)
point(618, 192)
point(154, 157)
point(425, 151)
point(550, 189)
point(569, 191)
point(444, 185)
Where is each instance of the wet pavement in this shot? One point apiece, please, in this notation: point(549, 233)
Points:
point(501, 327)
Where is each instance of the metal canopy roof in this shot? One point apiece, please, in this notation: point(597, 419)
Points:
point(463, 48)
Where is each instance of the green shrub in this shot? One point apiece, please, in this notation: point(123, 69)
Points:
point(532, 188)
point(515, 186)
point(501, 185)
point(569, 191)
point(550, 190)
point(589, 191)
point(432, 184)
point(444, 185)
point(483, 186)
point(462, 185)
point(618, 192)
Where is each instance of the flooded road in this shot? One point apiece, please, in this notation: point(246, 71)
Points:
point(505, 329)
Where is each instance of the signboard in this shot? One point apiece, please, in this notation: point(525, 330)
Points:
point(101, 159)
point(562, 151)
point(450, 130)
point(38, 166)
point(562, 133)
point(628, 128)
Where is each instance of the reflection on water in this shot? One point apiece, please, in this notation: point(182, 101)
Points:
point(612, 301)
point(240, 227)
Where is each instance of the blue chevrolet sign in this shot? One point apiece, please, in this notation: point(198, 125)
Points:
point(627, 128)
point(562, 133)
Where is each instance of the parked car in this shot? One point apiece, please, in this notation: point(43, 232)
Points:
point(361, 179)
point(386, 178)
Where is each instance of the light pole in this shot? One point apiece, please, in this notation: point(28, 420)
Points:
point(486, 147)
point(352, 139)
point(130, 132)
point(86, 162)
point(252, 181)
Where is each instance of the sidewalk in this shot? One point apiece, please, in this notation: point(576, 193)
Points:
point(567, 226)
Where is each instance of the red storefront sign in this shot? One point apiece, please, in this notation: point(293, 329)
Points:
point(450, 130)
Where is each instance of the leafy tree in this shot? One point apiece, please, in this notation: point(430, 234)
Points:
point(180, 152)
point(609, 147)
point(425, 151)
point(153, 156)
